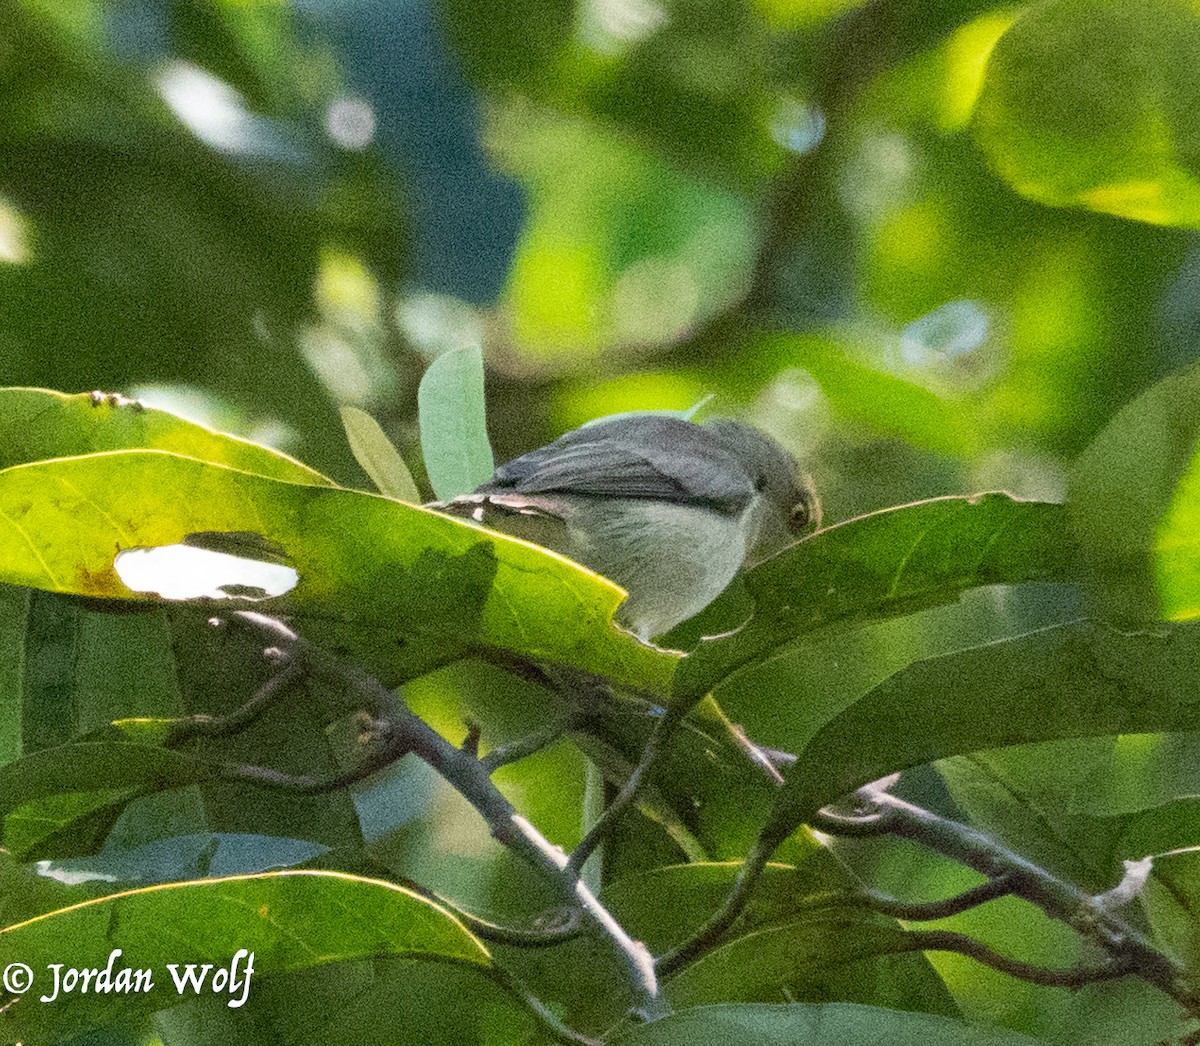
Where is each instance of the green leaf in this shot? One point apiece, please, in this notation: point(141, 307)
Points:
point(378, 457)
point(784, 946)
point(831, 1024)
point(454, 439)
point(1135, 504)
point(80, 668)
point(64, 824)
point(1170, 826)
point(664, 906)
point(14, 615)
point(1093, 103)
point(36, 424)
point(1169, 834)
point(1177, 548)
point(290, 920)
point(63, 801)
point(25, 894)
point(1021, 797)
point(892, 562)
point(1098, 777)
point(1172, 896)
point(406, 587)
point(81, 767)
point(1076, 680)
point(85, 667)
point(819, 957)
point(379, 1002)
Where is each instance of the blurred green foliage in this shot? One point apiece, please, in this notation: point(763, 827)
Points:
point(789, 205)
point(933, 247)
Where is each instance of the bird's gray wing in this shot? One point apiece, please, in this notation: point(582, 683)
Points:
point(654, 457)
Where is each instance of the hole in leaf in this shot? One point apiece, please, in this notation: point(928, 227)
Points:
point(188, 572)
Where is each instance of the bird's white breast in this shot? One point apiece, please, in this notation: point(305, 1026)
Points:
point(672, 559)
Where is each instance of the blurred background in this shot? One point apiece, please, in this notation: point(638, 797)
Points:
point(252, 212)
point(930, 245)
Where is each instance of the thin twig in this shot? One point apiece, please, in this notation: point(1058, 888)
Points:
point(757, 756)
point(735, 902)
point(927, 911)
point(1076, 977)
point(188, 727)
point(909, 911)
point(1090, 916)
point(524, 747)
point(874, 811)
point(523, 936)
point(664, 729)
point(567, 926)
point(304, 784)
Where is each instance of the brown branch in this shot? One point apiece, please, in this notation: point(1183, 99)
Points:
point(960, 943)
point(735, 902)
point(188, 727)
point(402, 731)
point(1093, 917)
point(927, 911)
point(664, 729)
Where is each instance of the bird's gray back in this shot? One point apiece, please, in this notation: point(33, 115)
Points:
point(653, 456)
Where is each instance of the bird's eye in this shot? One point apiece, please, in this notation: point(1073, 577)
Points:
point(800, 515)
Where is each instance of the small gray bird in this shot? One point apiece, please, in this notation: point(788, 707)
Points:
point(668, 509)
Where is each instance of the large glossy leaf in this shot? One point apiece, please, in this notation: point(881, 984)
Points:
point(415, 587)
point(1135, 503)
point(1177, 549)
point(1092, 103)
point(1018, 795)
point(69, 773)
point(818, 957)
point(24, 893)
point(1168, 834)
point(36, 424)
point(378, 1002)
point(877, 566)
point(74, 669)
point(216, 855)
point(832, 1024)
point(1076, 680)
point(84, 667)
point(290, 920)
point(665, 906)
point(784, 947)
